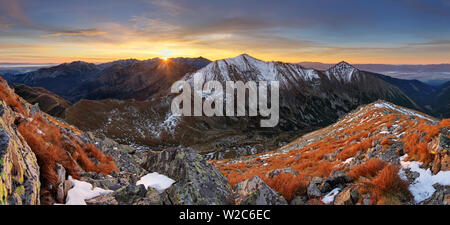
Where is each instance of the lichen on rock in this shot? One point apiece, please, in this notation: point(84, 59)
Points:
point(197, 181)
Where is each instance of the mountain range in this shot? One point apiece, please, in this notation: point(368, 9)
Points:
point(432, 74)
point(129, 100)
point(336, 143)
point(119, 79)
point(308, 99)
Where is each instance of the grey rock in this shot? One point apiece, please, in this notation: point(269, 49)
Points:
point(129, 195)
point(313, 189)
point(348, 196)
point(440, 197)
point(319, 186)
point(108, 199)
point(330, 157)
point(338, 178)
point(197, 181)
point(60, 193)
point(274, 173)
point(19, 171)
point(255, 191)
point(137, 195)
point(299, 200)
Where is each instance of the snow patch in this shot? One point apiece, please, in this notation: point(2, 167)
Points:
point(401, 110)
point(329, 198)
point(349, 160)
point(82, 191)
point(157, 181)
point(422, 188)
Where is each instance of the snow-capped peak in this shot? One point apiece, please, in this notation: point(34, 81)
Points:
point(248, 68)
point(342, 71)
point(243, 59)
point(344, 64)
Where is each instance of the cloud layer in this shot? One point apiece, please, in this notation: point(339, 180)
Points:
point(406, 31)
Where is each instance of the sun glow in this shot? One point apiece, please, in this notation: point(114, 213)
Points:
point(165, 54)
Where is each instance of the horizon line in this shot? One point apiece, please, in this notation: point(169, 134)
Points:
point(107, 60)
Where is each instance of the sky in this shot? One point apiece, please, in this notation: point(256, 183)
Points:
point(328, 31)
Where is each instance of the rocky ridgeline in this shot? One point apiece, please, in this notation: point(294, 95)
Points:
point(378, 154)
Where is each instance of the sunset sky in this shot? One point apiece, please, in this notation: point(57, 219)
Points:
point(392, 32)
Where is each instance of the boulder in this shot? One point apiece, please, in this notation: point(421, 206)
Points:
point(446, 200)
point(440, 197)
point(108, 199)
point(255, 191)
point(60, 193)
point(126, 158)
point(314, 189)
point(197, 181)
point(439, 146)
point(330, 157)
point(338, 179)
point(274, 173)
point(348, 196)
point(320, 186)
point(129, 195)
point(19, 170)
point(137, 195)
point(299, 200)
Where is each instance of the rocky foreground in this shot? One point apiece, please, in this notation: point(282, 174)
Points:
point(378, 154)
point(46, 161)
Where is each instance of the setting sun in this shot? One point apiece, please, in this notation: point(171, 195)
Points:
point(165, 54)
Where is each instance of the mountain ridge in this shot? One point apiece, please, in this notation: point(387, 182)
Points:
point(345, 162)
point(308, 98)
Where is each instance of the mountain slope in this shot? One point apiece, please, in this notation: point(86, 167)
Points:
point(124, 79)
point(197, 63)
point(327, 94)
point(139, 80)
point(48, 101)
point(374, 153)
point(59, 79)
point(442, 101)
point(423, 94)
